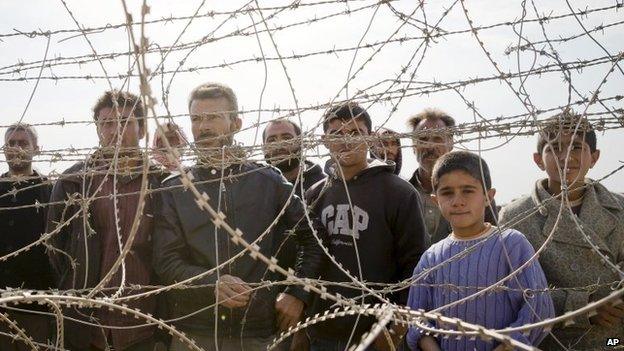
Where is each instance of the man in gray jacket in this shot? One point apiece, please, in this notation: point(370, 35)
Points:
point(231, 306)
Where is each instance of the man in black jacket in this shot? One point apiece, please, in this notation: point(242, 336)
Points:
point(375, 229)
point(282, 148)
point(24, 195)
point(229, 305)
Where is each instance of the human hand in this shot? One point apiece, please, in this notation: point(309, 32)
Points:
point(289, 310)
point(300, 342)
point(608, 316)
point(429, 343)
point(232, 291)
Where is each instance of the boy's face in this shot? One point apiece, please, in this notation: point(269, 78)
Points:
point(462, 202)
point(345, 141)
point(580, 160)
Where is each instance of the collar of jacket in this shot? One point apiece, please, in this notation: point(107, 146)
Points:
point(596, 218)
point(84, 169)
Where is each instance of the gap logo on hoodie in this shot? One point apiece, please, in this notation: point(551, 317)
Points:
point(339, 220)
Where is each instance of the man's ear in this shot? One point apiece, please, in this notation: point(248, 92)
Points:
point(238, 124)
point(37, 150)
point(490, 195)
point(594, 158)
point(434, 198)
point(539, 161)
point(142, 129)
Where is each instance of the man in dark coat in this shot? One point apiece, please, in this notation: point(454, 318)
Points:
point(24, 195)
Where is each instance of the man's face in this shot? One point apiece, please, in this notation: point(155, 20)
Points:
point(434, 143)
point(121, 125)
point(462, 201)
point(386, 148)
point(580, 160)
point(281, 146)
point(345, 141)
point(19, 149)
point(211, 123)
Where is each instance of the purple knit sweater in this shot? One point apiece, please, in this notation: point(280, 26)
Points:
point(474, 265)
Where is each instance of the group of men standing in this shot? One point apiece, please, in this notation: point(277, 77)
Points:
point(374, 224)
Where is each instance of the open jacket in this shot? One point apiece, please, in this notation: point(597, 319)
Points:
point(77, 247)
point(186, 243)
point(569, 262)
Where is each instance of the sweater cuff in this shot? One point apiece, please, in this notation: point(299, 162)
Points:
point(575, 300)
point(518, 336)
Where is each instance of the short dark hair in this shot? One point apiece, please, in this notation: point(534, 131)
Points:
point(462, 161)
point(281, 120)
point(122, 99)
point(431, 114)
point(346, 112)
point(566, 121)
point(27, 128)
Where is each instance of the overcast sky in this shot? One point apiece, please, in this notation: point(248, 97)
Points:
point(318, 78)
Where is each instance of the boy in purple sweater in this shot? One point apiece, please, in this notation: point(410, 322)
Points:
point(473, 257)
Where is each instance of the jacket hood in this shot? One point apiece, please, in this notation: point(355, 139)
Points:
point(375, 166)
point(313, 169)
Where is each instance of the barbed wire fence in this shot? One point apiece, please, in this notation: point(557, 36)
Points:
point(155, 64)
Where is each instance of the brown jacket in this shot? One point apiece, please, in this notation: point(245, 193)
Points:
point(570, 263)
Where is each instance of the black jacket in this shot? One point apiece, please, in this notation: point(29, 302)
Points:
point(84, 248)
point(185, 243)
point(390, 235)
point(313, 174)
point(20, 227)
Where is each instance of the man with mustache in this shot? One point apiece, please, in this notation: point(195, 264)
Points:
point(433, 137)
point(227, 304)
point(388, 148)
point(22, 222)
point(89, 234)
point(282, 149)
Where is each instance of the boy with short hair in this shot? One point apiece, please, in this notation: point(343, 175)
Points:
point(474, 256)
point(566, 150)
point(375, 229)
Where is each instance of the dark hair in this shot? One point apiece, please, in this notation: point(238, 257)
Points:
point(566, 121)
point(214, 90)
point(295, 127)
point(462, 161)
point(27, 128)
point(346, 112)
point(122, 99)
point(431, 114)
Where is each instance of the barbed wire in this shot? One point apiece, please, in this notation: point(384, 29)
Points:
point(426, 28)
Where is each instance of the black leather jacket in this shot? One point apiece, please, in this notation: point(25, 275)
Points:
point(186, 244)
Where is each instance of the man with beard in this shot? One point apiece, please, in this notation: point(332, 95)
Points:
point(388, 148)
point(433, 137)
point(89, 240)
point(22, 222)
point(282, 149)
point(220, 309)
